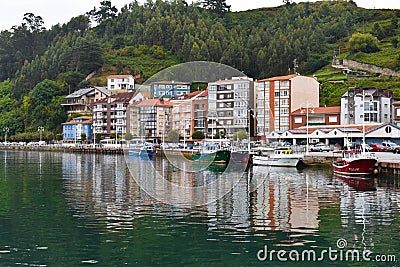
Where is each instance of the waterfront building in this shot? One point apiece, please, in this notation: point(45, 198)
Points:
point(73, 130)
point(277, 97)
point(120, 83)
point(231, 106)
point(110, 113)
point(189, 113)
point(150, 119)
point(339, 134)
point(80, 100)
point(169, 89)
point(315, 116)
point(366, 105)
point(396, 113)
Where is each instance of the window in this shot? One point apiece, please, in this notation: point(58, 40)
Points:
point(298, 120)
point(370, 106)
point(284, 84)
point(284, 92)
point(284, 102)
point(332, 119)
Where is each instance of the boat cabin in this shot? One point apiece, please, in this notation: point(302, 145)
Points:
point(283, 151)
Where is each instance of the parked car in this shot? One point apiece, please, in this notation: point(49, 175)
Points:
point(390, 146)
point(378, 148)
point(396, 150)
point(368, 148)
point(320, 147)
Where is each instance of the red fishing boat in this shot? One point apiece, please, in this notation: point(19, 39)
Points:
point(353, 162)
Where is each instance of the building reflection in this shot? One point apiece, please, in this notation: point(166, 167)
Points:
point(119, 191)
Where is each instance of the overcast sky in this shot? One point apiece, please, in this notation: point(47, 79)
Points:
point(55, 11)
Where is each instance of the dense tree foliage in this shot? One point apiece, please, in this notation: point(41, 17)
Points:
point(363, 42)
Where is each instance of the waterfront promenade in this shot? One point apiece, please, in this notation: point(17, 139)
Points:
point(387, 161)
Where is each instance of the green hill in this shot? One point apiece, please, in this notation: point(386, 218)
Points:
point(41, 66)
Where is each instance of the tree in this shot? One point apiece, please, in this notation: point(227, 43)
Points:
point(59, 137)
point(240, 135)
point(395, 42)
point(105, 11)
point(217, 6)
point(98, 136)
point(83, 137)
point(198, 135)
point(173, 136)
point(128, 136)
point(363, 42)
point(33, 23)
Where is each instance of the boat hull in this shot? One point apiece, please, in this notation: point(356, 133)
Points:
point(354, 167)
point(217, 157)
point(141, 153)
point(277, 162)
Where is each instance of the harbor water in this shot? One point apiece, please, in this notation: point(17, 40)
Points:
point(70, 209)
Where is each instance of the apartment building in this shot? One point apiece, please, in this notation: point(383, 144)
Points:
point(366, 105)
point(80, 100)
point(231, 106)
point(169, 89)
point(277, 97)
point(150, 119)
point(189, 113)
point(110, 113)
point(120, 83)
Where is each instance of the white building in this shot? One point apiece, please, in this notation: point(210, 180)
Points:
point(230, 106)
point(120, 82)
point(374, 105)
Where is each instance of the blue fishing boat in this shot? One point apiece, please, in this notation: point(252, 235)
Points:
point(147, 150)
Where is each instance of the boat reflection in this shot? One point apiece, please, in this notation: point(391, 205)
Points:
point(358, 183)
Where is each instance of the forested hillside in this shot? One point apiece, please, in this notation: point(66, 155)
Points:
point(40, 66)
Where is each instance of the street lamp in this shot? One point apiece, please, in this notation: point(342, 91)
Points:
point(40, 129)
point(5, 130)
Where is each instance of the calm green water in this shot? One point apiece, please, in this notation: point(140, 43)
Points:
point(60, 209)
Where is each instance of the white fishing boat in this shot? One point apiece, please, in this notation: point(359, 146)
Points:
point(281, 157)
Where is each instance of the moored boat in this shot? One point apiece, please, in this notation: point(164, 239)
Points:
point(146, 150)
point(353, 162)
point(282, 157)
point(212, 154)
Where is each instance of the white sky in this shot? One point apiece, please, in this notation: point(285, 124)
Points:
point(56, 11)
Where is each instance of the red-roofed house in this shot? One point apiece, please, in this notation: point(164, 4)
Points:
point(120, 82)
point(73, 130)
point(110, 114)
point(316, 116)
